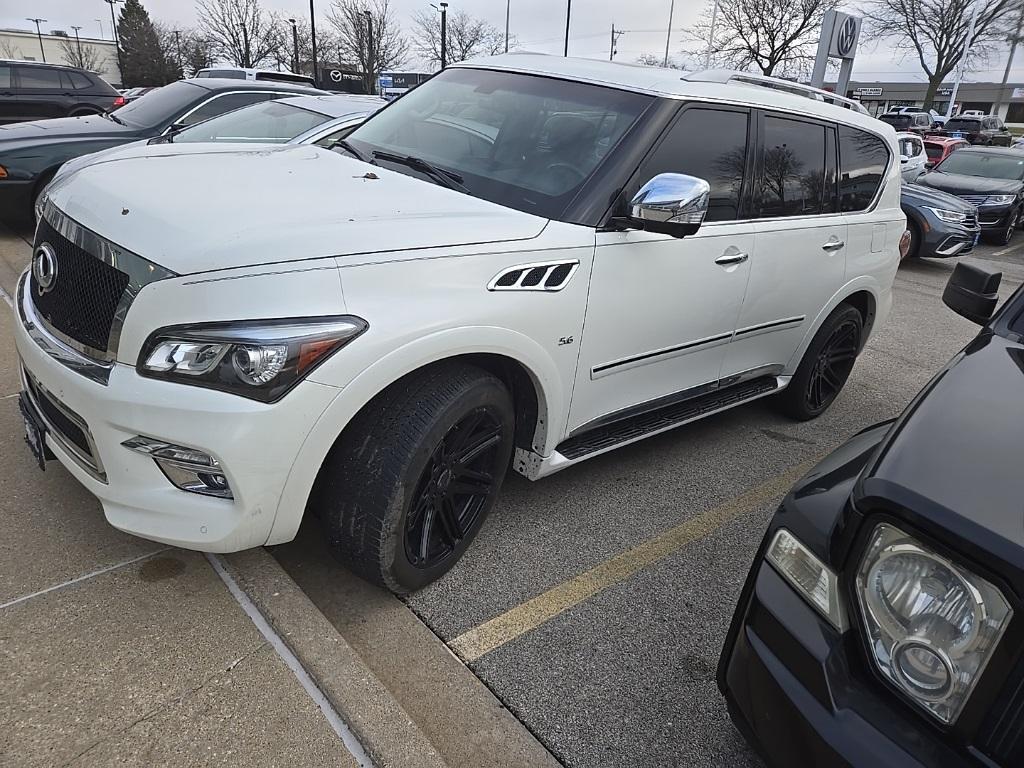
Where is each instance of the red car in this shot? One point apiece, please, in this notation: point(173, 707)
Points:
point(938, 148)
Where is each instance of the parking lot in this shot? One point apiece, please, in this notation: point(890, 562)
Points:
point(592, 606)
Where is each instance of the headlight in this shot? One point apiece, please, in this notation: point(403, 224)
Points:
point(932, 624)
point(999, 199)
point(815, 582)
point(260, 359)
point(953, 217)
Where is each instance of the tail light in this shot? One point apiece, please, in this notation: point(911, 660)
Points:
point(118, 102)
point(905, 244)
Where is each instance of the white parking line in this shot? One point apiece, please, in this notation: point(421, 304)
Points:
point(334, 719)
point(71, 582)
point(6, 297)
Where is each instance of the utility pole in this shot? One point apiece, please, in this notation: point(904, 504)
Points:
point(312, 36)
point(616, 34)
point(568, 14)
point(369, 53)
point(968, 41)
point(177, 43)
point(508, 7)
point(711, 36)
point(668, 36)
point(100, 22)
point(295, 46)
point(117, 37)
point(39, 34)
point(1009, 61)
point(78, 45)
point(444, 35)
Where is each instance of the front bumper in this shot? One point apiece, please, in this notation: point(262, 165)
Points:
point(255, 443)
point(993, 218)
point(945, 240)
point(16, 198)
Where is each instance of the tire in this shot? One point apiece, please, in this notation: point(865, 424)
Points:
point(915, 239)
point(389, 492)
point(816, 383)
point(1005, 235)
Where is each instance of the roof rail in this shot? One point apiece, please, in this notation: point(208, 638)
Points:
point(799, 89)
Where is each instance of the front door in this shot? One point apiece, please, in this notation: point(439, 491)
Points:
point(662, 310)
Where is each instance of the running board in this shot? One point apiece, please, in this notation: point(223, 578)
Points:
point(634, 428)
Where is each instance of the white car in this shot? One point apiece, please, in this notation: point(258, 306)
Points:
point(528, 259)
point(248, 73)
point(912, 156)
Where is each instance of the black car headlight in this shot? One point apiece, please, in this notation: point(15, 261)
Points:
point(952, 217)
point(999, 199)
point(932, 624)
point(260, 359)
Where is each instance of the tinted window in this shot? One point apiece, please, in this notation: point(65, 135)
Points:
point(899, 122)
point(39, 77)
point(5, 77)
point(710, 144)
point(334, 136)
point(270, 122)
point(793, 168)
point(863, 158)
point(284, 77)
point(963, 124)
point(232, 74)
point(79, 81)
point(909, 147)
point(226, 103)
point(162, 105)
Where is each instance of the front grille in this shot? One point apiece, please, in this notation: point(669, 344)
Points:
point(974, 199)
point(85, 293)
point(971, 221)
point(1002, 735)
point(60, 422)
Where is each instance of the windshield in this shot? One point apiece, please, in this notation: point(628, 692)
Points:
point(896, 121)
point(269, 122)
point(934, 151)
point(160, 105)
point(962, 124)
point(994, 166)
point(526, 142)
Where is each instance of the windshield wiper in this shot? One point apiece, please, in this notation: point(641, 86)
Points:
point(444, 177)
point(343, 143)
point(115, 118)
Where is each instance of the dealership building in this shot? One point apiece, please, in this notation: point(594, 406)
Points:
point(880, 97)
point(25, 45)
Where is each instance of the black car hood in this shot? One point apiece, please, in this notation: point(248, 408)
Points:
point(87, 127)
point(953, 460)
point(956, 184)
point(916, 195)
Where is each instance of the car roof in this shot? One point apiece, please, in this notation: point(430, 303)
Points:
point(1007, 151)
point(228, 83)
point(907, 135)
point(945, 139)
point(42, 64)
point(337, 106)
point(711, 85)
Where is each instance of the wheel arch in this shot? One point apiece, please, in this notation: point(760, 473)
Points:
point(865, 295)
point(530, 374)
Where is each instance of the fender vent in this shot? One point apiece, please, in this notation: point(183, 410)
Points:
point(552, 276)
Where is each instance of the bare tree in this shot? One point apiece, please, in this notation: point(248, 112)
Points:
point(654, 60)
point(241, 30)
point(935, 31)
point(8, 50)
point(468, 36)
point(776, 36)
point(81, 55)
point(389, 45)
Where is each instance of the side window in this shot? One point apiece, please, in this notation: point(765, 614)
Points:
point(710, 144)
point(65, 82)
point(793, 170)
point(334, 136)
point(80, 81)
point(5, 77)
point(863, 158)
point(39, 77)
point(226, 103)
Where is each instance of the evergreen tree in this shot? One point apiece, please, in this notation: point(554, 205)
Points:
point(143, 59)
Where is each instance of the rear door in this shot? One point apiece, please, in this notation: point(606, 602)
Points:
point(41, 92)
point(799, 259)
point(10, 109)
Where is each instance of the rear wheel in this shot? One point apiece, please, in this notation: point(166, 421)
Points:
point(825, 367)
point(411, 480)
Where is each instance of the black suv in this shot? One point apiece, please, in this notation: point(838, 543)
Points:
point(33, 91)
point(988, 130)
point(915, 122)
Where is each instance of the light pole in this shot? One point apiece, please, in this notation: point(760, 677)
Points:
point(39, 34)
point(508, 7)
point(668, 37)
point(711, 36)
point(78, 45)
point(616, 34)
point(369, 52)
point(177, 43)
point(968, 41)
point(100, 22)
point(117, 37)
point(295, 46)
point(444, 35)
point(312, 39)
point(568, 13)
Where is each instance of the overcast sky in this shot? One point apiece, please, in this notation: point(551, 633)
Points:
point(539, 25)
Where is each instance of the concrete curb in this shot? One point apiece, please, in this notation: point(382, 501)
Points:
point(383, 728)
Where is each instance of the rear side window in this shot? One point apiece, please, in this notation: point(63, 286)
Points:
point(80, 81)
point(39, 77)
point(232, 74)
point(5, 77)
point(863, 158)
point(793, 169)
point(226, 103)
point(710, 144)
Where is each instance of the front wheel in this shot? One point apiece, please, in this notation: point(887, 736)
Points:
point(825, 367)
point(409, 484)
point(1005, 235)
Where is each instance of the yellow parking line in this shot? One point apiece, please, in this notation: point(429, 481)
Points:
point(527, 616)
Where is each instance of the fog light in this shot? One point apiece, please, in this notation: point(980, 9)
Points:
point(189, 469)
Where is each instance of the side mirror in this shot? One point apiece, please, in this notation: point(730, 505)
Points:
point(972, 292)
point(904, 159)
point(671, 203)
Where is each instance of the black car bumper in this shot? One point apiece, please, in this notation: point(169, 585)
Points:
point(16, 199)
point(994, 218)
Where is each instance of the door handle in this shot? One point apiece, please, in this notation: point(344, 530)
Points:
point(833, 245)
point(732, 258)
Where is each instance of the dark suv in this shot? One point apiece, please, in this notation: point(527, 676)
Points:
point(33, 91)
point(988, 130)
point(915, 122)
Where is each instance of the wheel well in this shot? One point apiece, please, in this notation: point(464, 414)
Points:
point(524, 393)
point(79, 111)
point(864, 303)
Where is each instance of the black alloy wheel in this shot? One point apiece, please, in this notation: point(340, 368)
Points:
point(833, 365)
point(1011, 226)
point(454, 488)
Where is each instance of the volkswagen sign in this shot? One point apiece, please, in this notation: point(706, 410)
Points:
point(845, 31)
point(44, 268)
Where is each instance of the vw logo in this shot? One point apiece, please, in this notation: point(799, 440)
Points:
point(847, 34)
point(44, 267)
point(336, 75)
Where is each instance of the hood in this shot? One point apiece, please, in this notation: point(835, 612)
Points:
point(201, 207)
point(39, 131)
point(917, 195)
point(953, 458)
point(956, 184)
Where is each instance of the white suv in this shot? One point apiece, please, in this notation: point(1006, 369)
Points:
point(527, 260)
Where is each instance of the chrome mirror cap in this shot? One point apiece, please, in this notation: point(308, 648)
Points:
point(673, 203)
